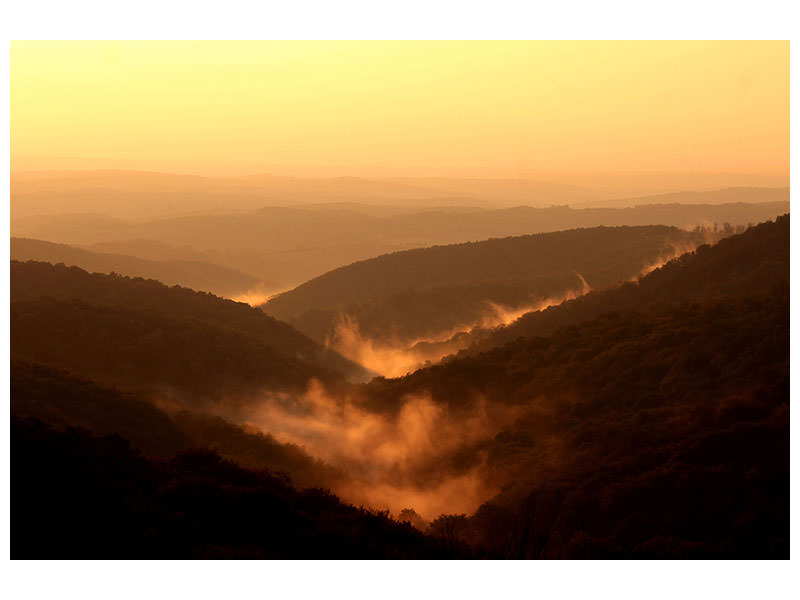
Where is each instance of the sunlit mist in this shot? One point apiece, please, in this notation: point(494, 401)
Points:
point(393, 461)
point(255, 296)
point(394, 358)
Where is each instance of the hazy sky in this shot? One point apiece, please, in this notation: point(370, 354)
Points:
point(404, 108)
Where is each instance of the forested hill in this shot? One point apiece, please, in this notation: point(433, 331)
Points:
point(603, 255)
point(153, 301)
point(654, 424)
point(134, 482)
point(61, 400)
point(662, 435)
point(750, 263)
point(420, 294)
point(185, 358)
point(194, 274)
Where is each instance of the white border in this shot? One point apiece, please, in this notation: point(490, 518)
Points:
point(413, 19)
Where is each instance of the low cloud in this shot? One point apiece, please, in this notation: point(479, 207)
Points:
point(423, 456)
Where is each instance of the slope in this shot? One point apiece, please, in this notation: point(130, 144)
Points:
point(737, 266)
point(115, 504)
point(62, 400)
point(35, 280)
point(193, 274)
point(429, 291)
point(656, 429)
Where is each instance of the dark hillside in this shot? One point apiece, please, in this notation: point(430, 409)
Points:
point(737, 266)
point(595, 253)
point(185, 356)
point(654, 425)
point(424, 292)
point(61, 400)
point(656, 435)
point(35, 280)
point(112, 503)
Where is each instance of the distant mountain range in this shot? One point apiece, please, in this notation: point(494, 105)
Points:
point(144, 194)
point(287, 245)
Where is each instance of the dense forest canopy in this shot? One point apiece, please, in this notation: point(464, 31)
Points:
point(595, 252)
point(36, 280)
point(424, 292)
point(149, 350)
point(739, 266)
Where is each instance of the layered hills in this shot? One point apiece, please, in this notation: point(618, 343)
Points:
point(647, 419)
point(194, 274)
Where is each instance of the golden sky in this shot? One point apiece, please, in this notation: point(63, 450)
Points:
point(404, 107)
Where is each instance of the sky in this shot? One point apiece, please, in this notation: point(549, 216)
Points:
point(401, 108)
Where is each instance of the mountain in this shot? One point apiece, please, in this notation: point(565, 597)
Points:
point(427, 292)
point(184, 358)
point(197, 275)
point(42, 291)
point(289, 245)
point(149, 250)
point(744, 195)
point(654, 429)
point(141, 194)
point(663, 436)
point(588, 187)
point(146, 194)
point(738, 266)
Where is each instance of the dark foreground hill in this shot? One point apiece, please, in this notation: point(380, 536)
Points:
point(132, 481)
point(112, 503)
point(193, 333)
point(427, 291)
point(62, 400)
point(194, 274)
